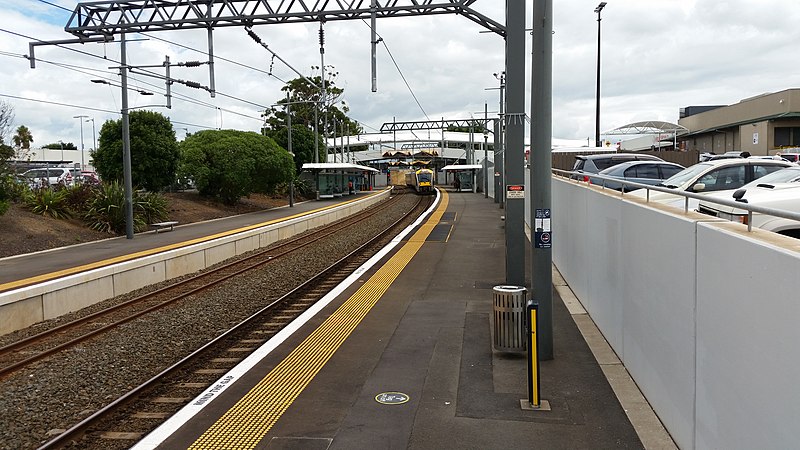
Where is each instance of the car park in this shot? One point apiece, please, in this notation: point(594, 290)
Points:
point(642, 172)
point(712, 176)
point(590, 164)
point(779, 196)
point(50, 176)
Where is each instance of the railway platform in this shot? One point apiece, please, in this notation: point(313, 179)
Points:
point(400, 356)
point(55, 261)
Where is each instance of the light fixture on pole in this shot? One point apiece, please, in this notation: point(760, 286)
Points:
point(94, 134)
point(62, 151)
point(80, 119)
point(597, 110)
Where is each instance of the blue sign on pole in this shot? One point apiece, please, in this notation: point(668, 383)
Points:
point(542, 229)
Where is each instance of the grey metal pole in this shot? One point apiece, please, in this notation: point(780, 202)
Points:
point(373, 12)
point(80, 118)
point(210, 38)
point(126, 142)
point(485, 150)
point(497, 179)
point(515, 141)
point(289, 127)
point(316, 132)
point(597, 103)
point(94, 135)
point(502, 139)
point(541, 168)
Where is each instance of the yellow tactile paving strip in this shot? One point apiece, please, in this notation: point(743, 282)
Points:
point(110, 261)
point(250, 419)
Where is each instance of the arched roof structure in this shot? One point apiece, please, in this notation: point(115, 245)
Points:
point(648, 127)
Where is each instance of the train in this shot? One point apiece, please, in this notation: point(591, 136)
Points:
point(421, 181)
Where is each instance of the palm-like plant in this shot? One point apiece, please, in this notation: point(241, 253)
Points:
point(23, 137)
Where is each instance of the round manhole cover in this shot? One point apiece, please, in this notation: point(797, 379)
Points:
point(391, 398)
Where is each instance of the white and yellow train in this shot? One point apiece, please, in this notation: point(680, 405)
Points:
point(421, 181)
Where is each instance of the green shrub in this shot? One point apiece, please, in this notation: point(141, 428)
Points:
point(48, 202)
point(78, 197)
point(106, 209)
point(152, 206)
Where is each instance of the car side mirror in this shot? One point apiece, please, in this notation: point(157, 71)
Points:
point(699, 187)
point(739, 194)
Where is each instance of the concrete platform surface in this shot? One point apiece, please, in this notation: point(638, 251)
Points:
point(420, 372)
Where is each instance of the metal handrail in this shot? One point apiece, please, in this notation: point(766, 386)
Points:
point(687, 195)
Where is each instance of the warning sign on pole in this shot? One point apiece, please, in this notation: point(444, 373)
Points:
point(515, 191)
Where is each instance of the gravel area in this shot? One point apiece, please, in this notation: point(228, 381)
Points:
point(58, 392)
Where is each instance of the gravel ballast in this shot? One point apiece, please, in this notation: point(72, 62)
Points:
point(60, 391)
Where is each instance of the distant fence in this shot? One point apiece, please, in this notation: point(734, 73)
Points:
point(565, 160)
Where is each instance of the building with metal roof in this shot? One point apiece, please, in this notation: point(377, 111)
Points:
point(761, 125)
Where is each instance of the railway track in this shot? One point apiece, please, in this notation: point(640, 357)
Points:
point(20, 354)
point(125, 420)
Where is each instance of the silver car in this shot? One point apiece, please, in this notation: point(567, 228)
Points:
point(642, 172)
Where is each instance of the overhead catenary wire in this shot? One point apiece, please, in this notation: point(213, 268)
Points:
point(107, 76)
point(193, 84)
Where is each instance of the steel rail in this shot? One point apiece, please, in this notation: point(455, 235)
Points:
point(75, 432)
point(282, 249)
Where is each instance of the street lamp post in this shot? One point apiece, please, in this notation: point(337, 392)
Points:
point(94, 134)
point(62, 151)
point(80, 119)
point(597, 103)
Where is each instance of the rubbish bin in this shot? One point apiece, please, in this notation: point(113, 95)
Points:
point(509, 318)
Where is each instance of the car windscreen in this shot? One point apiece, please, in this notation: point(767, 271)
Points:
point(605, 163)
point(685, 175)
point(38, 173)
point(784, 175)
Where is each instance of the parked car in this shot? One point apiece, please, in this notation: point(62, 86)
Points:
point(589, 164)
point(783, 196)
point(644, 172)
point(89, 177)
point(791, 157)
point(727, 155)
point(712, 176)
point(50, 176)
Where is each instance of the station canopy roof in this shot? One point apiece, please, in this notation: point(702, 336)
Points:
point(463, 167)
point(337, 166)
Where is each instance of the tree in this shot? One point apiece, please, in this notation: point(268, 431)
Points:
point(230, 164)
point(59, 145)
point(303, 97)
point(302, 143)
point(23, 137)
point(154, 151)
point(6, 119)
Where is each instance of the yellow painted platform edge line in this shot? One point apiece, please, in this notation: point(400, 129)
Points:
point(116, 260)
point(255, 411)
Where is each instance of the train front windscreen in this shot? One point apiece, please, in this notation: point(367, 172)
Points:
point(424, 177)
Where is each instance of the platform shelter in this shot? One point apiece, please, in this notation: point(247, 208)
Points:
point(338, 179)
point(464, 176)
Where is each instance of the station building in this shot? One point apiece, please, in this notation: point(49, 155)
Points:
point(762, 125)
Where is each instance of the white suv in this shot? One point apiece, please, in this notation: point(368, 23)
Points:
point(711, 176)
point(51, 176)
point(781, 196)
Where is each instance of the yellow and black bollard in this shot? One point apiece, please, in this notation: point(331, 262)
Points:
point(533, 358)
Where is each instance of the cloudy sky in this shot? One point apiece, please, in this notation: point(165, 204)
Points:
point(656, 58)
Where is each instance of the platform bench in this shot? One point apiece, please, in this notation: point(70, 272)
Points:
point(164, 225)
